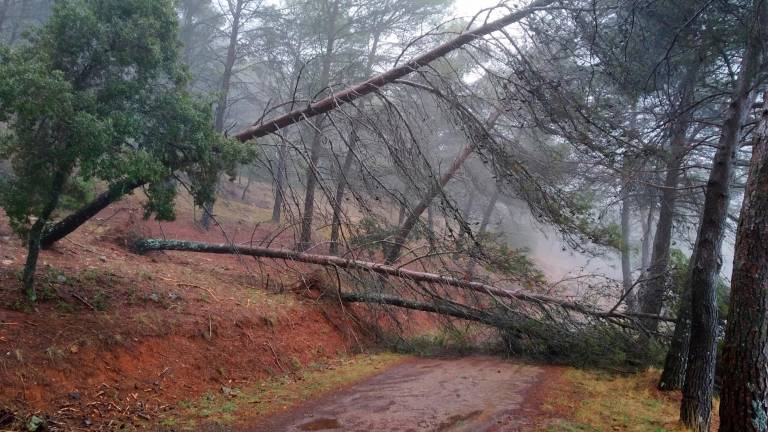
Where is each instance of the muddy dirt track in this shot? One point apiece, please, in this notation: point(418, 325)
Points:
point(462, 394)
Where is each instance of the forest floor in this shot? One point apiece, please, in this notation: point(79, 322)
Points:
point(173, 341)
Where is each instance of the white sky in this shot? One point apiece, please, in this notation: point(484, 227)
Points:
point(469, 8)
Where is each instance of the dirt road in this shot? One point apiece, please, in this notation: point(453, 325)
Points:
point(465, 394)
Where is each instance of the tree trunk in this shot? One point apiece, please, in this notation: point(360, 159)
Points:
point(305, 238)
point(148, 245)
point(645, 258)
point(221, 106)
point(70, 223)
point(340, 190)
point(247, 184)
point(277, 208)
point(484, 226)
point(651, 298)
point(36, 232)
point(464, 224)
point(695, 410)
point(398, 241)
point(744, 393)
point(320, 107)
point(401, 213)
point(626, 265)
point(676, 360)
point(431, 229)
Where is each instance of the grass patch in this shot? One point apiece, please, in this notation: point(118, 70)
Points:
point(599, 401)
point(227, 406)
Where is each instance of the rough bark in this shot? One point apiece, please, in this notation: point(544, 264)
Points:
point(400, 237)
point(676, 360)
point(324, 105)
point(651, 297)
point(341, 187)
point(696, 407)
point(148, 245)
point(744, 392)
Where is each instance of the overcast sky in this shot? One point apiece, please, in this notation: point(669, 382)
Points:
point(471, 7)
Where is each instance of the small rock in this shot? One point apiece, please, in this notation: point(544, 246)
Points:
point(154, 297)
point(75, 395)
point(61, 279)
point(103, 259)
point(87, 421)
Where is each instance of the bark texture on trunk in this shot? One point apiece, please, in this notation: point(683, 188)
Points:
point(676, 360)
point(744, 393)
point(696, 407)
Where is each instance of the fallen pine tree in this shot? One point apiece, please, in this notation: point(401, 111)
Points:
point(529, 324)
point(148, 245)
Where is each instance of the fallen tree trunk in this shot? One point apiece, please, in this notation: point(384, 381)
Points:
point(443, 308)
point(147, 245)
point(69, 224)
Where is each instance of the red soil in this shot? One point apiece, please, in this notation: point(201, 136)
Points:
point(118, 338)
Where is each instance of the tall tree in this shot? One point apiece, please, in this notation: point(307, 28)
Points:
point(696, 407)
point(744, 393)
point(238, 14)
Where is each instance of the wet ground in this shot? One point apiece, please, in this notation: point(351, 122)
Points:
point(478, 394)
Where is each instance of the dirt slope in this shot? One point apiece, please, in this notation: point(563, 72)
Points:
point(118, 339)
